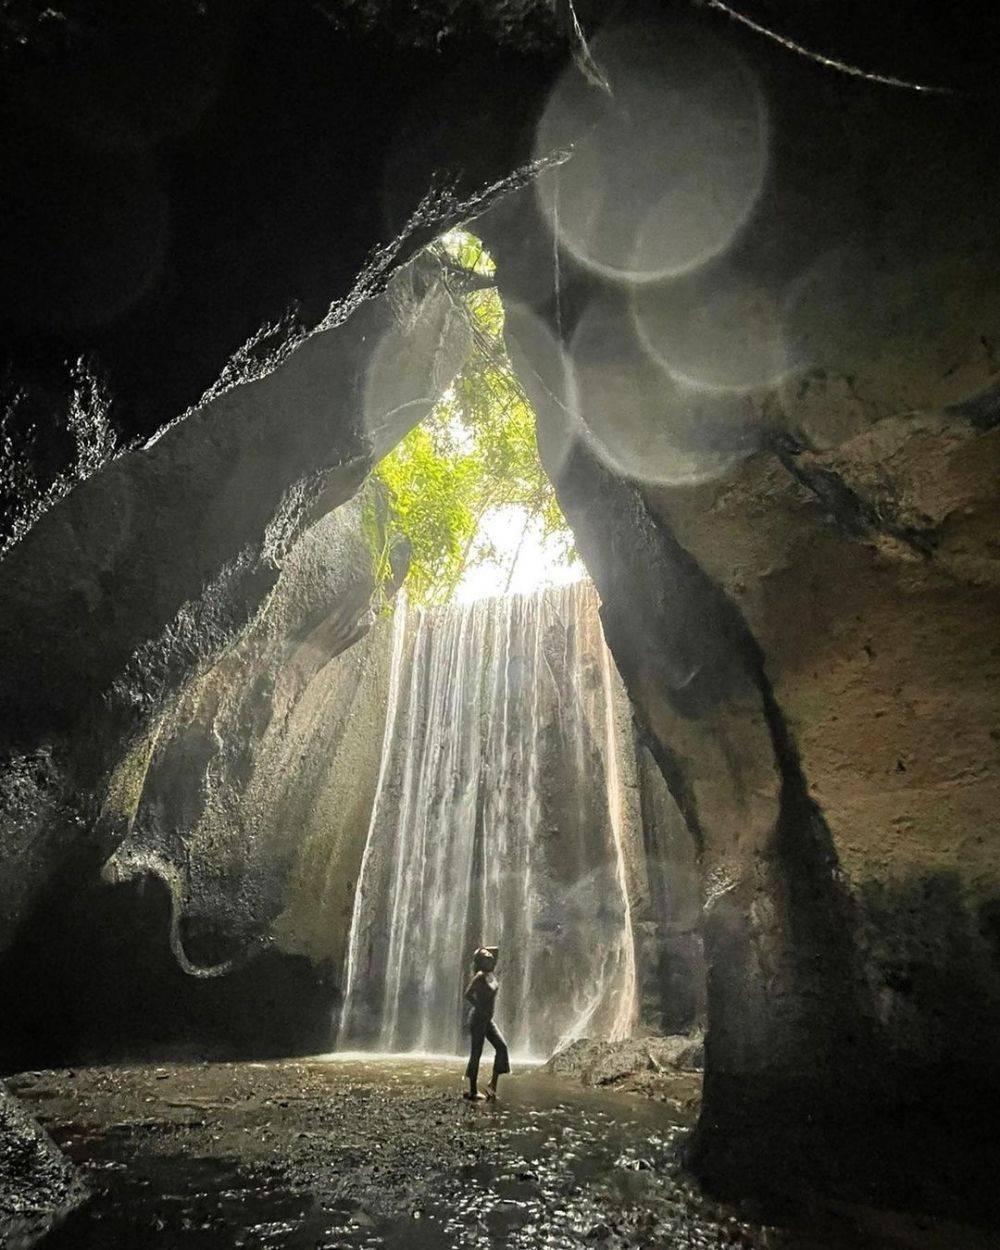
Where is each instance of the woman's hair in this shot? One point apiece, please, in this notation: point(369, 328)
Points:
point(484, 958)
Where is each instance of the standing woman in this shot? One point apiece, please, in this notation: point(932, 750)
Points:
point(482, 993)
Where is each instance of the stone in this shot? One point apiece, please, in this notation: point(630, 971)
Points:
point(598, 1062)
point(37, 1183)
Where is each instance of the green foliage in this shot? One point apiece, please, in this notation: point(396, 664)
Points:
point(475, 451)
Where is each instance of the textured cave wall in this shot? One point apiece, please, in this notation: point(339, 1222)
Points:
point(848, 906)
point(151, 569)
point(170, 944)
point(194, 189)
point(886, 665)
point(134, 587)
point(189, 178)
point(666, 908)
point(799, 586)
point(237, 763)
point(335, 798)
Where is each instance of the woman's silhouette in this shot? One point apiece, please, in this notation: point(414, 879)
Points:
point(482, 993)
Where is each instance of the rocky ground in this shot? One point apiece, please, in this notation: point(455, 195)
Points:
point(667, 1069)
point(351, 1152)
point(36, 1181)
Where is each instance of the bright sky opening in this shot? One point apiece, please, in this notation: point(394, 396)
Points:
point(519, 560)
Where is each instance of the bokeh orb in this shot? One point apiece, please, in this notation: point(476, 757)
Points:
point(642, 422)
point(667, 167)
point(541, 364)
point(716, 330)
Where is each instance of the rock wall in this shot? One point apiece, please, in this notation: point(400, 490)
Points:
point(892, 703)
point(206, 575)
point(200, 362)
point(847, 906)
point(37, 1183)
point(236, 776)
point(197, 187)
point(207, 818)
point(149, 570)
point(780, 467)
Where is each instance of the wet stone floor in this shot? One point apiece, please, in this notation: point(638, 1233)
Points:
point(352, 1153)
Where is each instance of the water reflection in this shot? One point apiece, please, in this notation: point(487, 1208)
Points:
point(345, 1154)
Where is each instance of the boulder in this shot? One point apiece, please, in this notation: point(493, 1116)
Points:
point(37, 1182)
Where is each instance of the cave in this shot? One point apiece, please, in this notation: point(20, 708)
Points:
point(313, 313)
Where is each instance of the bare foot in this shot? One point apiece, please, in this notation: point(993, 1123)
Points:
point(491, 1093)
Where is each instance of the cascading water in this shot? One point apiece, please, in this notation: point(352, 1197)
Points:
point(498, 818)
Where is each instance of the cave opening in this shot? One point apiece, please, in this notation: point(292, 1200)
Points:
point(508, 806)
point(462, 500)
point(628, 604)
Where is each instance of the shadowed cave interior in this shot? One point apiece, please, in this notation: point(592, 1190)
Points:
point(512, 474)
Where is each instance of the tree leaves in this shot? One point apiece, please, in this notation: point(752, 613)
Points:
point(475, 451)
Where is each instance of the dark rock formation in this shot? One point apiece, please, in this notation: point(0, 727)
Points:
point(199, 187)
point(195, 177)
point(222, 529)
point(231, 779)
point(37, 1183)
point(609, 1063)
point(800, 592)
point(208, 815)
point(667, 912)
point(665, 1069)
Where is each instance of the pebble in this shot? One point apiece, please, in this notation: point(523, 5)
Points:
point(368, 1161)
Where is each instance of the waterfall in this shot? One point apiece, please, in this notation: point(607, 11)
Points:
point(500, 817)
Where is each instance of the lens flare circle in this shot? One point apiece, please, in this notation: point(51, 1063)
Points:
point(714, 331)
point(542, 365)
point(639, 420)
point(666, 169)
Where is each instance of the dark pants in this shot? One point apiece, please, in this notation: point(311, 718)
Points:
point(486, 1030)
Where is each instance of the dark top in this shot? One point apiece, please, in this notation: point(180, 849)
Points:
point(482, 993)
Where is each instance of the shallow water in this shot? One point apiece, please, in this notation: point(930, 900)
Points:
point(341, 1153)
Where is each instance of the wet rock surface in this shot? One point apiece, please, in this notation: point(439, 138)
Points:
point(519, 820)
point(802, 601)
point(665, 1068)
point(36, 1181)
point(351, 1152)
